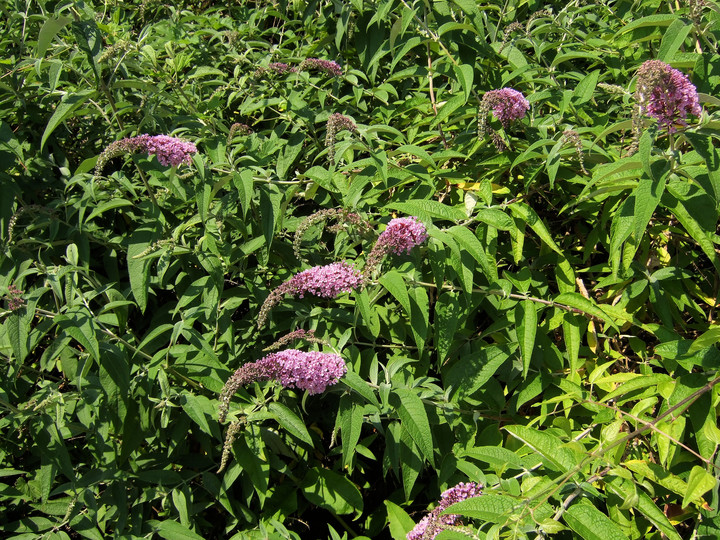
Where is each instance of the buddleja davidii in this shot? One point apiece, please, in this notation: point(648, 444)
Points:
point(342, 217)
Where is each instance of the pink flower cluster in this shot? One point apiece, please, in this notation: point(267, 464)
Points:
point(666, 94)
point(403, 234)
point(312, 371)
point(281, 67)
point(434, 523)
point(325, 281)
point(170, 151)
point(507, 105)
point(328, 66)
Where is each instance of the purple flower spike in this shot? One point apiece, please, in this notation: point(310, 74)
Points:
point(507, 105)
point(403, 234)
point(434, 523)
point(169, 150)
point(328, 66)
point(325, 281)
point(666, 94)
point(312, 371)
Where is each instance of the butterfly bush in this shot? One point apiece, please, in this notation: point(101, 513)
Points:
point(312, 371)
point(434, 523)
point(325, 281)
point(400, 236)
point(665, 94)
point(170, 151)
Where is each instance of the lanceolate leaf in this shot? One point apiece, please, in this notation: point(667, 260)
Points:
point(290, 421)
point(591, 524)
point(548, 446)
point(395, 284)
point(526, 323)
point(66, 107)
point(414, 419)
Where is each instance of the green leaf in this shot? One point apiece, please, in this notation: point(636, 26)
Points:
point(591, 524)
point(471, 372)
point(369, 315)
point(673, 39)
point(203, 412)
point(548, 446)
point(139, 269)
point(495, 218)
point(578, 301)
point(49, 30)
point(77, 322)
point(709, 338)
point(172, 530)
point(414, 419)
point(353, 381)
point(256, 468)
point(331, 491)
point(350, 417)
point(699, 483)
point(399, 522)
point(289, 154)
point(649, 21)
point(17, 330)
point(465, 74)
point(419, 316)
point(411, 460)
point(585, 89)
point(244, 183)
point(467, 240)
point(625, 490)
point(426, 210)
point(497, 456)
point(526, 323)
point(529, 216)
point(69, 103)
point(449, 107)
point(415, 151)
point(290, 421)
point(487, 507)
point(395, 285)
point(691, 225)
point(447, 311)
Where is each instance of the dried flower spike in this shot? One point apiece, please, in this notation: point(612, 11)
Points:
point(335, 124)
point(434, 523)
point(340, 214)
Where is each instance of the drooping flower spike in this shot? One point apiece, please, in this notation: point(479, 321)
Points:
point(170, 151)
point(312, 371)
point(325, 281)
point(400, 236)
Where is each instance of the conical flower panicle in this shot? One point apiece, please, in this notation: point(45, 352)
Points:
point(312, 371)
point(665, 94)
point(400, 236)
point(325, 281)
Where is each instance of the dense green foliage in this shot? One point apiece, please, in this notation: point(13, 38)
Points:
point(555, 339)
